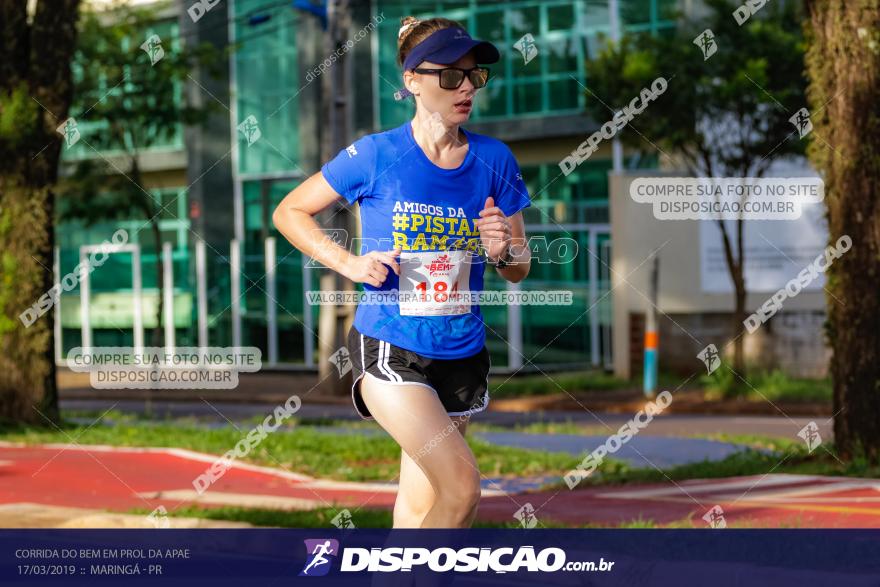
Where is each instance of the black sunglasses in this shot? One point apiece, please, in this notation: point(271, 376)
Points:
point(451, 78)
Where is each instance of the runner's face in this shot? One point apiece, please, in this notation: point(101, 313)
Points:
point(437, 99)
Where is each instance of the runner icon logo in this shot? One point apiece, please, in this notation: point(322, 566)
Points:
point(321, 553)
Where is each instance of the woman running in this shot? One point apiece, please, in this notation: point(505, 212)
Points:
point(437, 203)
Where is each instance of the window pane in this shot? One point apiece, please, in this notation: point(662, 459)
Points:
point(524, 20)
point(666, 9)
point(267, 84)
point(593, 14)
point(560, 17)
point(561, 55)
point(527, 97)
point(634, 12)
point(564, 94)
point(492, 101)
point(490, 26)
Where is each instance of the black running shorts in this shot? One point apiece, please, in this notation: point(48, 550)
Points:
point(461, 384)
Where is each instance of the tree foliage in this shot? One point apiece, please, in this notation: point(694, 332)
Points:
point(722, 116)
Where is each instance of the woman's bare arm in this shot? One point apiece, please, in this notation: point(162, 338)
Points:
point(294, 218)
point(519, 268)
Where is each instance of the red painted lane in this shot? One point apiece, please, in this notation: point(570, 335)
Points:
point(761, 501)
point(113, 479)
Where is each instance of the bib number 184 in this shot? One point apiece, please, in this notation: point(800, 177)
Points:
point(441, 291)
point(430, 283)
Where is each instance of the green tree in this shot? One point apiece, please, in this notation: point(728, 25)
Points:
point(35, 96)
point(724, 116)
point(129, 76)
point(843, 62)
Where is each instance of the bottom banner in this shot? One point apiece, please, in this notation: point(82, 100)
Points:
point(270, 557)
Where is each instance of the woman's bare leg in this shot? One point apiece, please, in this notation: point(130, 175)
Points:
point(415, 494)
point(415, 418)
point(415, 497)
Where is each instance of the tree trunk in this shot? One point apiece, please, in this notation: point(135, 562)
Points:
point(736, 270)
point(843, 62)
point(152, 212)
point(35, 84)
point(739, 329)
point(160, 282)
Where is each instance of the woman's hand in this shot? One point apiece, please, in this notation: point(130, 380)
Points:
point(494, 229)
point(371, 268)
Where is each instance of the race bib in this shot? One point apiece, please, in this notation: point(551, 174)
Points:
point(434, 283)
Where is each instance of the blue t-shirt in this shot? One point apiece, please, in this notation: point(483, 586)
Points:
point(408, 202)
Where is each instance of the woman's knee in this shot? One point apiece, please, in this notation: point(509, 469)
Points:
point(409, 514)
point(461, 490)
point(415, 503)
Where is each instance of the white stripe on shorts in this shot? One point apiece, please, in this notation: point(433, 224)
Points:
point(384, 351)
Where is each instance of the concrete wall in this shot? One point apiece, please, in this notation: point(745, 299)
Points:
point(690, 318)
